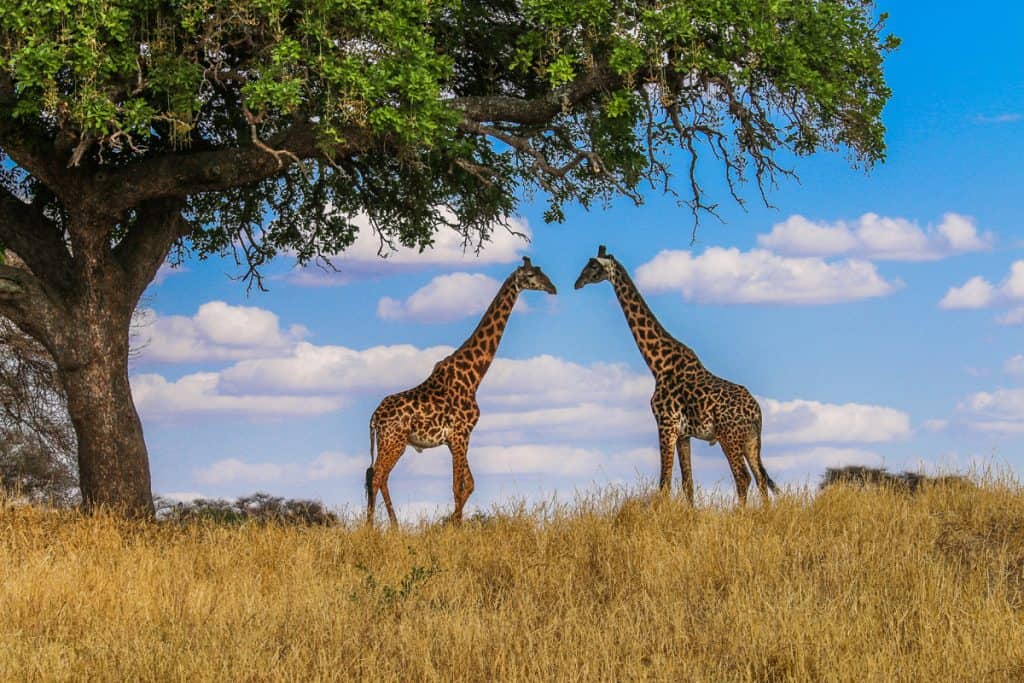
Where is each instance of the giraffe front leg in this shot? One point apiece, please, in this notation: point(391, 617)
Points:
point(683, 449)
point(462, 477)
point(667, 436)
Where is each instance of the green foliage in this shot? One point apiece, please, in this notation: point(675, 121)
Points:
point(127, 80)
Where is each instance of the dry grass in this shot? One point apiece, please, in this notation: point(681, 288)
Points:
point(848, 585)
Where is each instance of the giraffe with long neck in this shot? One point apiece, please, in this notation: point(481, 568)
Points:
point(688, 401)
point(443, 409)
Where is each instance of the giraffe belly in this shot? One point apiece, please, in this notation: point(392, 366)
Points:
point(704, 432)
point(422, 441)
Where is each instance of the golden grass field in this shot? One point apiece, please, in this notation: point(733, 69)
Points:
point(852, 585)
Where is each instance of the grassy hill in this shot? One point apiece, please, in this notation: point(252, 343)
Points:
point(849, 584)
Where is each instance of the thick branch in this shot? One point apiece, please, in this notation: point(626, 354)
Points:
point(25, 303)
point(35, 239)
point(158, 224)
point(176, 175)
point(540, 110)
point(26, 148)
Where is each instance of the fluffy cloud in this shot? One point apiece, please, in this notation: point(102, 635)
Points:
point(877, 237)
point(445, 298)
point(819, 458)
point(1001, 410)
point(975, 293)
point(308, 369)
point(218, 331)
point(367, 257)
point(729, 276)
point(202, 393)
point(800, 421)
point(1014, 365)
point(978, 292)
point(328, 465)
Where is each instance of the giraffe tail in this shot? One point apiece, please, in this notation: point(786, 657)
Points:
point(373, 458)
point(760, 464)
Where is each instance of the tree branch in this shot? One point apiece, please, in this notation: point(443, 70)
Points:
point(28, 150)
point(158, 225)
point(35, 239)
point(24, 302)
point(542, 109)
point(176, 175)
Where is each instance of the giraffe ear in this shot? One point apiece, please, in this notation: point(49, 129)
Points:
point(526, 262)
point(601, 251)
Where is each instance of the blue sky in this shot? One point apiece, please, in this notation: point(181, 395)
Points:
point(860, 349)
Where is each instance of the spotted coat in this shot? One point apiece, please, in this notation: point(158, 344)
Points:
point(689, 401)
point(443, 410)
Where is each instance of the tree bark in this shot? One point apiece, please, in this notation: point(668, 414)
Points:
point(112, 458)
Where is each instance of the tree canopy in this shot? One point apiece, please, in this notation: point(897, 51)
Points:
point(309, 111)
point(252, 127)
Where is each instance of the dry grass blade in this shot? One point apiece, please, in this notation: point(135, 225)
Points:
point(847, 585)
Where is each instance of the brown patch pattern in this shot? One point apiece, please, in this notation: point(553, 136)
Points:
point(688, 401)
point(443, 409)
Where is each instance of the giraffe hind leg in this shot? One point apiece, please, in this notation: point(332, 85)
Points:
point(734, 449)
point(752, 449)
point(390, 450)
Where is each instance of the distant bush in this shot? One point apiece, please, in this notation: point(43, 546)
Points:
point(259, 507)
point(911, 482)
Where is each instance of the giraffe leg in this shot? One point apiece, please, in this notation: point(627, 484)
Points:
point(462, 477)
point(753, 453)
point(734, 447)
point(667, 438)
point(390, 449)
point(683, 450)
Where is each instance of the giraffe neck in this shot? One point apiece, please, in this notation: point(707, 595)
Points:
point(480, 347)
point(651, 338)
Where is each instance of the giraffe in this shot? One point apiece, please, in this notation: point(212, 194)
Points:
point(688, 400)
point(443, 409)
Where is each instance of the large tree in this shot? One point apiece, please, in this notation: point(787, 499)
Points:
point(131, 127)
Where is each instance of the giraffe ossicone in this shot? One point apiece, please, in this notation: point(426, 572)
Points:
point(689, 401)
point(443, 410)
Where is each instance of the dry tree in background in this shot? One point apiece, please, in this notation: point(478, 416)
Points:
point(37, 440)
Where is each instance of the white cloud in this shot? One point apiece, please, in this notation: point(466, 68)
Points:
point(1008, 117)
point(935, 425)
point(363, 259)
point(730, 276)
point(445, 298)
point(202, 393)
point(218, 331)
point(975, 293)
point(821, 457)
point(1014, 316)
point(801, 421)
point(547, 380)
point(1001, 410)
point(980, 293)
point(309, 369)
point(181, 496)
point(1014, 365)
point(327, 465)
point(877, 237)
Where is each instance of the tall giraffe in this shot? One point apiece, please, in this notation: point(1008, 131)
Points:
point(688, 400)
point(443, 409)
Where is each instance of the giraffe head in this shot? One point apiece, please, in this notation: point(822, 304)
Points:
point(529, 276)
point(597, 269)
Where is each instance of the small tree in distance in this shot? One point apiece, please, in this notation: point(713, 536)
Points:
point(255, 126)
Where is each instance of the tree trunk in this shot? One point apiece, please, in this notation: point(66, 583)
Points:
point(112, 458)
